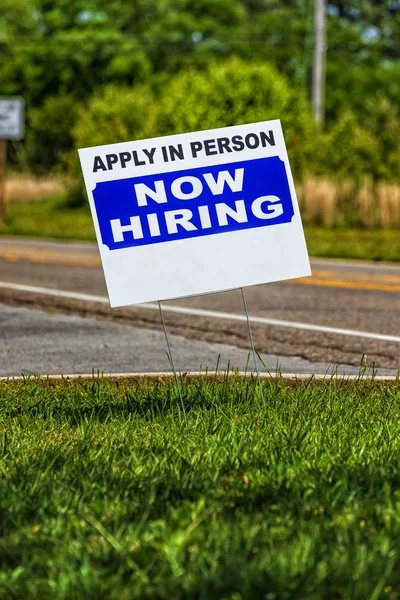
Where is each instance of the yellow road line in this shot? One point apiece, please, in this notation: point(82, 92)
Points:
point(357, 276)
point(354, 285)
point(53, 259)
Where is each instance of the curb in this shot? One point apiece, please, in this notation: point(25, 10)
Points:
point(289, 378)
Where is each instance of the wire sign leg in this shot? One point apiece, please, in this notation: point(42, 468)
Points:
point(252, 345)
point(172, 361)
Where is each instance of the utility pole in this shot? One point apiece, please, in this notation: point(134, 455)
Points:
point(318, 80)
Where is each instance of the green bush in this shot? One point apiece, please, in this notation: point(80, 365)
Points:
point(230, 93)
point(384, 124)
point(116, 115)
point(238, 92)
point(49, 132)
point(113, 115)
point(349, 150)
point(371, 148)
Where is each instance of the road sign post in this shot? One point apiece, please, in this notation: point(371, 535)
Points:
point(11, 128)
point(3, 166)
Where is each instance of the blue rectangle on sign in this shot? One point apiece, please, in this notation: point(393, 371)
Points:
point(138, 211)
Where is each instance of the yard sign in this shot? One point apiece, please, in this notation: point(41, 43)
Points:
point(195, 213)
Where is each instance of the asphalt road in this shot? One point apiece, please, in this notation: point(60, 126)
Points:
point(47, 343)
point(357, 302)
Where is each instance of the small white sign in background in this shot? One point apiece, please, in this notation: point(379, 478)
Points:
point(11, 118)
point(194, 213)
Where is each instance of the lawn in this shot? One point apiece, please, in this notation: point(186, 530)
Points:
point(49, 218)
point(52, 219)
point(361, 244)
point(105, 493)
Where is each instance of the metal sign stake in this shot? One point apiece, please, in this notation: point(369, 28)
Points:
point(172, 361)
point(252, 345)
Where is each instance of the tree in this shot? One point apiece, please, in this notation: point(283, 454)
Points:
point(55, 48)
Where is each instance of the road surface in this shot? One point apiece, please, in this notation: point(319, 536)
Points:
point(35, 341)
point(345, 312)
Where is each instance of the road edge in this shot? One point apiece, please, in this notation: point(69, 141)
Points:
point(286, 378)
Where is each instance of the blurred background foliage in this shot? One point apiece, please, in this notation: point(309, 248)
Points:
point(96, 71)
point(222, 94)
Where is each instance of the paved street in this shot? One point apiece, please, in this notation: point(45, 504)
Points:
point(353, 300)
point(35, 341)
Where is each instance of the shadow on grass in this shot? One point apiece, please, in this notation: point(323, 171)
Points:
point(101, 400)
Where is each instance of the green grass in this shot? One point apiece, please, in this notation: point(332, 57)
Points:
point(363, 244)
point(104, 493)
point(49, 219)
point(52, 219)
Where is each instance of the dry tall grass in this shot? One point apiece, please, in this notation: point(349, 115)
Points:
point(26, 188)
point(388, 205)
point(329, 202)
point(318, 198)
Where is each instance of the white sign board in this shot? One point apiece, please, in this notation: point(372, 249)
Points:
point(194, 213)
point(11, 118)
